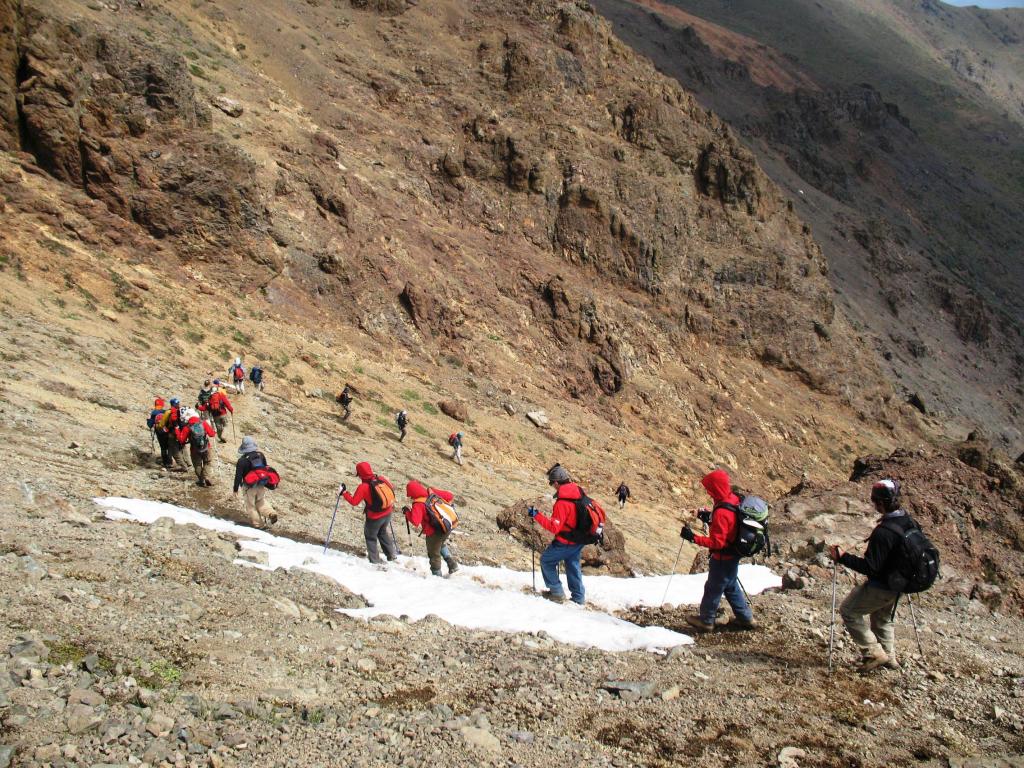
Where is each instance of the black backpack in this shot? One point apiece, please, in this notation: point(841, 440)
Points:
point(916, 563)
point(204, 396)
point(198, 438)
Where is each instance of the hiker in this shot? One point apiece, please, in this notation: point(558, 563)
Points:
point(203, 399)
point(874, 598)
point(455, 441)
point(419, 516)
point(236, 373)
point(345, 398)
point(219, 407)
point(252, 471)
point(723, 566)
point(168, 423)
point(159, 406)
point(402, 420)
point(562, 549)
point(623, 493)
point(196, 433)
point(378, 494)
point(256, 376)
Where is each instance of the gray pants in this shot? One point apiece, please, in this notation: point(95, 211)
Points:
point(874, 633)
point(379, 530)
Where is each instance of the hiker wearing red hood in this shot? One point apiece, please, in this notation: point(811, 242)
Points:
point(723, 568)
point(378, 494)
point(437, 538)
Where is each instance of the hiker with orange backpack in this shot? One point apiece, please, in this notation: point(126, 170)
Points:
point(455, 441)
point(378, 494)
point(196, 434)
point(433, 513)
point(159, 406)
point(168, 423)
point(576, 521)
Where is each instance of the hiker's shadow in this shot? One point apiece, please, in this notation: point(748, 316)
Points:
point(387, 434)
point(349, 425)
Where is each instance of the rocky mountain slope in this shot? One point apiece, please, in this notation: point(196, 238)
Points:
point(472, 212)
point(872, 119)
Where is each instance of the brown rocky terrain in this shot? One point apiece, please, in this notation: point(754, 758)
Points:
point(907, 171)
point(475, 213)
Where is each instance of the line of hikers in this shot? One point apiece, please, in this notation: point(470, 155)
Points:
point(898, 560)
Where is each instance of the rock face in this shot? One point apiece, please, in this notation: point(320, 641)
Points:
point(609, 555)
point(118, 117)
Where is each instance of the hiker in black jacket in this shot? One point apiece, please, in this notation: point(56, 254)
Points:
point(250, 458)
point(874, 598)
point(623, 493)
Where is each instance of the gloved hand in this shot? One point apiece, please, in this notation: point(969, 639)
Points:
point(342, 488)
point(704, 515)
point(835, 553)
point(687, 533)
point(532, 512)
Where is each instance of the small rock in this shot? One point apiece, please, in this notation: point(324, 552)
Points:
point(523, 737)
point(82, 718)
point(366, 665)
point(793, 579)
point(539, 419)
point(788, 757)
point(478, 737)
point(47, 753)
point(670, 693)
point(159, 725)
point(29, 649)
point(86, 697)
point(287, 607)
point(229, 107)
point(630, 690)
point(6, 755)
point(91, 662)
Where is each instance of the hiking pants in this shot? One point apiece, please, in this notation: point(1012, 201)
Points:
point(162, 439)
point(221, 422)
point(240, 386)
point(723, 579)
point(457, 454)
point(870, 634)
point(177, 451)
point(437, 550)
point(256, 505)
point(348, 412)
point(622, 501)
point(556, 553)
point(201, 463)
point(379, 530)
point(401, 436)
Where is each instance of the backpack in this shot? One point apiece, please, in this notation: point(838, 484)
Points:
point(917, 560)
point(590, 520)
point(204, 396)
point(197, 437)
point(216, 404)
point(262, 476)
point(400, 420)
point(452, 439)
point(382, 495)
point(442, 515)
point(751, 527)
point(238, 373)
point(256, 375)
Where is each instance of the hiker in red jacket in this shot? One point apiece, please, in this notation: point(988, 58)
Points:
point(219, 406)
point(378, 494)
point(437, 538)
point(723, 568)
point(561, 549)
point(196, 433)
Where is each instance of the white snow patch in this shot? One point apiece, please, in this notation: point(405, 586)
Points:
point(476, 597)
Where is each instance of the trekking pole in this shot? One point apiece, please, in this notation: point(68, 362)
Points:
point(233, 435)
point(533, 565)
point(917, 633)
point(744, 590)
point(832, 623)
point(330, 528)
point(665, 596)
point(408, 533)
point(394, 539)
point(152, 441)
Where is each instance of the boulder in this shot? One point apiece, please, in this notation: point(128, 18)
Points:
point(539, 419)
point(454, 409)
point(229, 107)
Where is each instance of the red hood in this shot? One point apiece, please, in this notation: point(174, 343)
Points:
point(364, 470)
point(718, 485)
point(570, 491)
point(415, 490)
point(193, 420)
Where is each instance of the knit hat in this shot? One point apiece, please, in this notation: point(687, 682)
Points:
point(248, 445)
point(558, 474)
point(415, 490)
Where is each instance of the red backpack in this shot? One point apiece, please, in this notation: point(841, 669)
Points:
point(239, 374)
point(590, 520)
point(262, 476)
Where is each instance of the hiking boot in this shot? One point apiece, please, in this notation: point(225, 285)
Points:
point(452, 567)
point(554, 597)
point(870, 663)
point(743, 625)
point(221, 440)
point(699, 624)
point(437, 573)
point(207, 483)
point(200, 483)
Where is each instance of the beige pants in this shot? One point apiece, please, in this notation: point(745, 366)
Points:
point(867, 604)
point(256, 505)
point(201, 462)
point(178, 455)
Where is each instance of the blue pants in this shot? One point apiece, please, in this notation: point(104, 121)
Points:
point(723, 579)
point(556, 553)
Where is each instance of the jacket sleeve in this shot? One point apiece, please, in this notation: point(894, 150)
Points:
point(559, 514)
point(872, 565)
point(415, 514)
point(241, 470)
point(227, 404)
point(362, 494)
point(210, 431)
point(719, 536)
